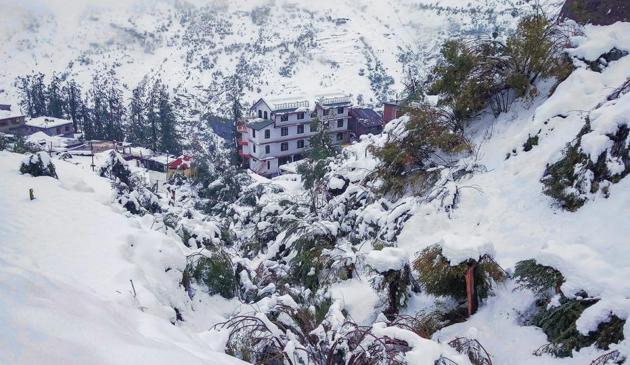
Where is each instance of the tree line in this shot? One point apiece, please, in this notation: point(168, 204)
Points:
point(148, 119)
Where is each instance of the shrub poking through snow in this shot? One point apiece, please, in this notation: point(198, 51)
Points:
point(539, 278)
point(559, 324)
point(597, 158)
point(422, 324)
point(474, 74)
point(115, 168)
point(409, 159)
point(438, 276)
point(213, 271)
point(293, 334)
point(38, 164)
point(476, 353)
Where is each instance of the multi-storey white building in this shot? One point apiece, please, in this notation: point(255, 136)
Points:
point(278, 130)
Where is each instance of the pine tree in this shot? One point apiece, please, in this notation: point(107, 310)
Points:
point(137, 128)
point(169, 140)
point(23, 85)
point(116, 112)
point(38, 95)
point(153, 117)
point(72, 102)
point(54, 98)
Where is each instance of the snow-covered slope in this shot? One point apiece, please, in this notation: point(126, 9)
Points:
point(67, 259)
point(272, 47)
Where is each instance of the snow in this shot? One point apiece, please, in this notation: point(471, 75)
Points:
point(598, 40)
point(357, 297)
point(600, 312)
point(67, 260)
point(336, 183)
point(389, 258)
point(47, 122)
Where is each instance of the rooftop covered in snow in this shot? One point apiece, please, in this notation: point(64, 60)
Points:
point(47, 122)
point(333, 99)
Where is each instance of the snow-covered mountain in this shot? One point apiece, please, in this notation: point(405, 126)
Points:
point(271, 47)
point(101, 268)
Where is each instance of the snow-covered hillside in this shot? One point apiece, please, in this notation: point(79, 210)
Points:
point(272, 47)
point(68, 258)
point(321, 266)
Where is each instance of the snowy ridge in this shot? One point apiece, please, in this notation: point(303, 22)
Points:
point(274, 48)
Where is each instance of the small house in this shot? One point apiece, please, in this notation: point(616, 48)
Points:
point(49, 125)
point(364, 121)
point(183, 165)
point(10, 122)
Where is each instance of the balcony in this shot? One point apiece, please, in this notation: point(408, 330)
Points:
point(243, 142)
point(244, 155)
point(241, 128)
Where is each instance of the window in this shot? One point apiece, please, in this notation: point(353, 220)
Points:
point(267, 133)
point(300, 143)
point(300, 129)
point(284, 131)
point(340, 110)
point(253, 133)
point(259, 113)
point(300, 115)
point(339, 123)
point(339, 136)
point(313, 127)
point(254, 148)
point(67, 128)
point(268, 165)
point(58, 130)
point(326, 111)
point(267, 149)
point(284, 146)
point(284, 117)
point(265, 114)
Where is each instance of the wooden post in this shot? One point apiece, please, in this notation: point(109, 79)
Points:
point(471, 288)
point(31, 194)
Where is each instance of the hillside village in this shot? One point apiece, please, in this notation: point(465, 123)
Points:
point(311, 206)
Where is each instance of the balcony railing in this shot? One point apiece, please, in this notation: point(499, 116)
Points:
point(242, 142)
point(291, 105)
point(241, 128)
point(334, 100)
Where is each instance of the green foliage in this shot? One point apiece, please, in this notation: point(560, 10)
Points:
point(215, 272)
point(571, 179)
point(463, 79)
point(559, 324)
point(439, 277)
point(471, 75)
point(308, 263)
point(321, 149)
point(535, 50)
point(406, 161)
point(22, 146)
point(539, 278)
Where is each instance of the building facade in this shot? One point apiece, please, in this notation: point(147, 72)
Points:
point(49, 125)
point(391, 111)
point(277, 131)
point(11, 122)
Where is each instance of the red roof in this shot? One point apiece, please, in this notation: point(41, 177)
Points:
point(181, 163)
